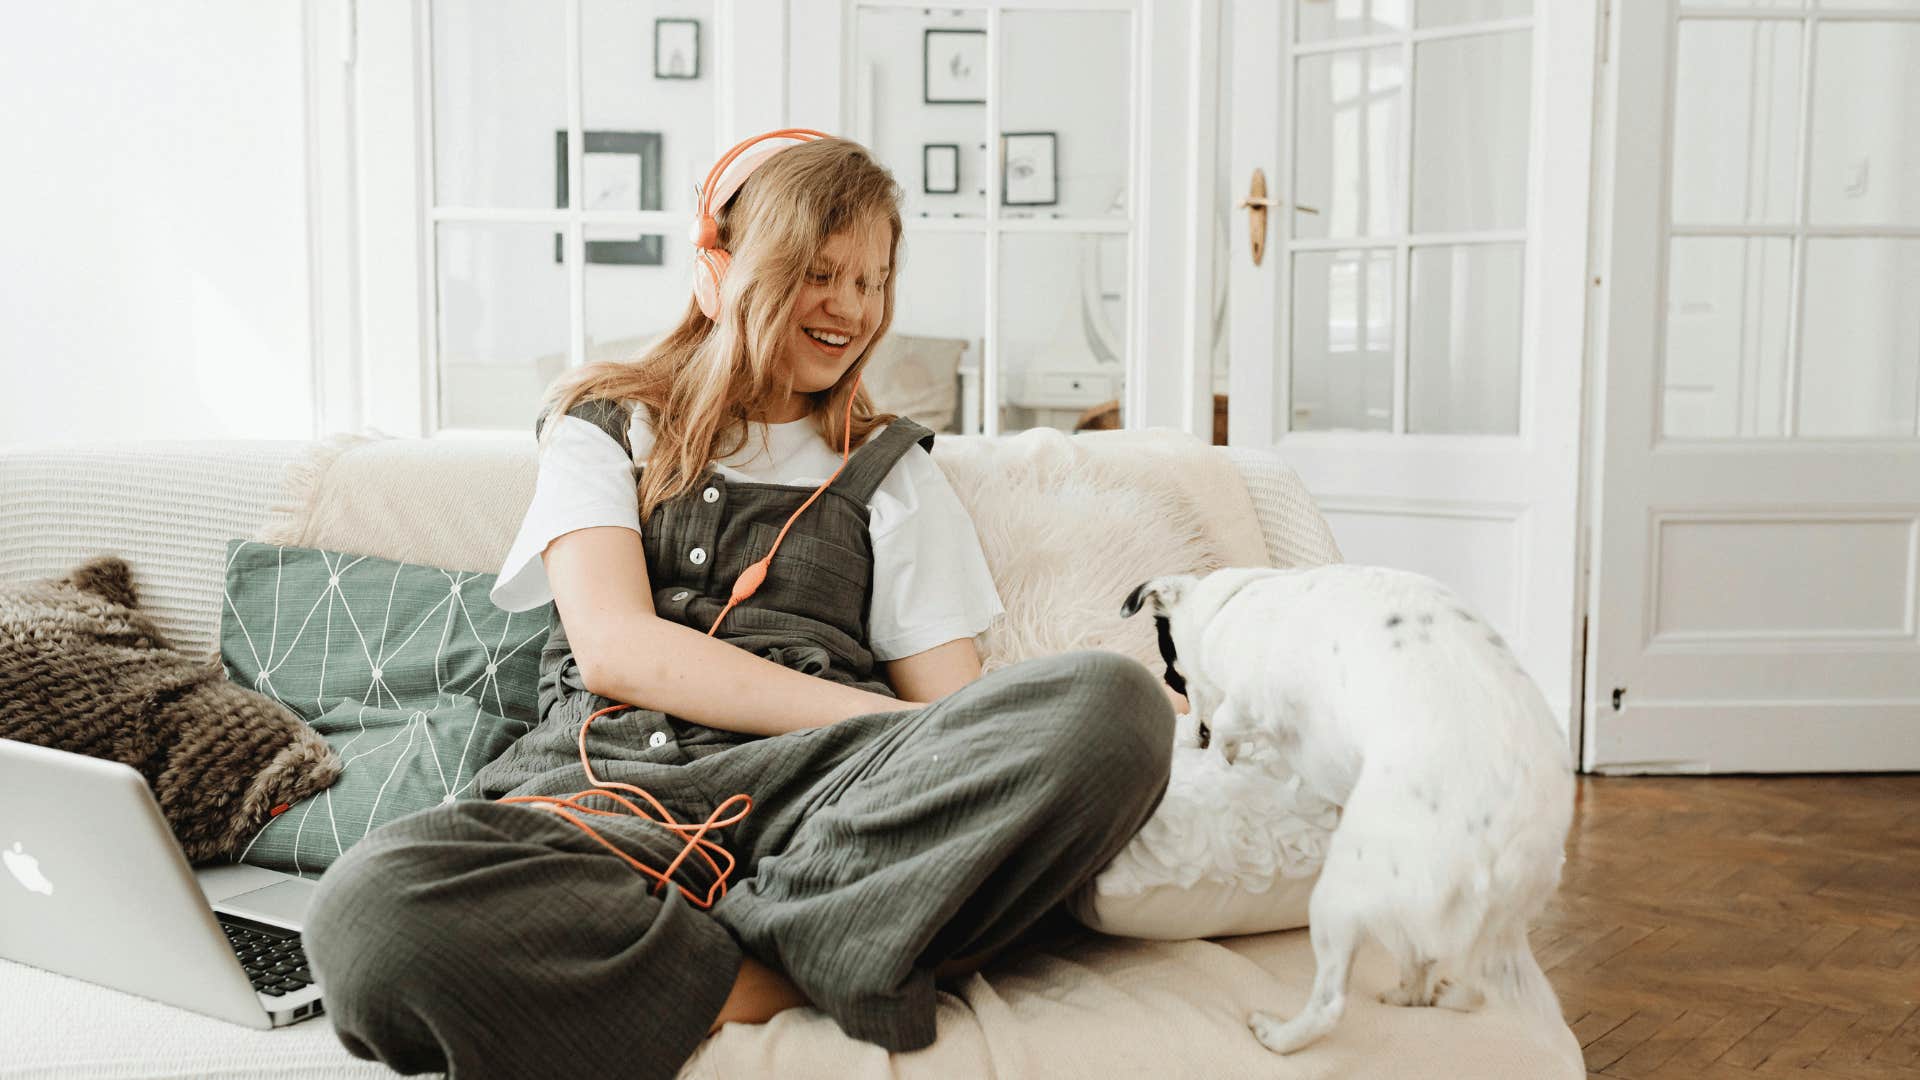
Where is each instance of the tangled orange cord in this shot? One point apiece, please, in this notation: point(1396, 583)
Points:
point(564, 805)
point(749, 580)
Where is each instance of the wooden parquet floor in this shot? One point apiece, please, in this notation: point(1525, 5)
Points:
point(1741, 927)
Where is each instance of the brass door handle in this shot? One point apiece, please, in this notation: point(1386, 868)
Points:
point(1256, 204)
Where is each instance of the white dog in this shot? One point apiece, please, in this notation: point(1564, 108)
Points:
point(1394, 701)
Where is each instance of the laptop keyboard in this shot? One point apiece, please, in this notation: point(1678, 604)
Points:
point(275, 962)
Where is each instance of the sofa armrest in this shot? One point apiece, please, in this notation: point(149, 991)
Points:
point(1296, 532)
point(168, 508)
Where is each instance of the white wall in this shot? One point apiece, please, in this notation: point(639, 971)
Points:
point(153, 282)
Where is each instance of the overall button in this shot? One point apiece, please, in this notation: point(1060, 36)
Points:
point(698, 556)
point(658, 738)
point(711, 495)
point(681, 596)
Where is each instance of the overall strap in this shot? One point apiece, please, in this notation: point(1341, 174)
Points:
point(612, 417)
point(875, 459)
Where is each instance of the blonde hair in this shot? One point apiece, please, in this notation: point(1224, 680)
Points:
point(704, 380)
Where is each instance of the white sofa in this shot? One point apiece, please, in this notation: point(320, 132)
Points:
point(1106, 1007)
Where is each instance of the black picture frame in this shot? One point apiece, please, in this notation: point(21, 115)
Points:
point(1007, 151)
point(660, 70)
point(927, 66)
point(929, 170)
point(645, 145)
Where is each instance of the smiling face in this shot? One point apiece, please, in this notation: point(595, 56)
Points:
point(841, 302)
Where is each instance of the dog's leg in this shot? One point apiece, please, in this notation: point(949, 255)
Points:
point(1417, 983)
point(1335, 934)
point(1186, 729)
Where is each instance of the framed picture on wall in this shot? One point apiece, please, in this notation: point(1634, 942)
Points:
point(940, 168)
point(956, 67)
point(619, 170)
point(1027, 169)
point(676, 48)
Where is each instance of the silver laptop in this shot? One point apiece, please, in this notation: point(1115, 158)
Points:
point(93, 885)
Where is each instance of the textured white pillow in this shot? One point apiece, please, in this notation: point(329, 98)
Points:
point(917, 377)
point(1230, 850)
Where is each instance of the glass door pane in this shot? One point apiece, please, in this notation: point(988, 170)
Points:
point(1343, 340)
point(1860, 349)
point(1865, 153)
point(637, 291)
point(1726, 337)
point(1065, 140)
point(928, 367)
point(1350, 106)
point(1471, 109)
point(920, 104)
point(1736, 102)
point(499, 95)
point(502, 327)
point(646, 70)
point(1063, 326)
point(1463, 339)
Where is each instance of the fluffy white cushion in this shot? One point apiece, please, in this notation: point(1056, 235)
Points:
point(1230, 850)
point(1070, 524)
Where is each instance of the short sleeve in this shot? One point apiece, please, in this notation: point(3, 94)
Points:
point(585, 480)
point(930, 579)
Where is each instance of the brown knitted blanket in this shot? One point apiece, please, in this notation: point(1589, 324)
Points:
point(83, 670)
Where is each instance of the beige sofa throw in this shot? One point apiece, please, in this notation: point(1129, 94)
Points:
point(1042, 502)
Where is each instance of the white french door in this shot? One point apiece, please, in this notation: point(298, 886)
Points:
point(1760, 492)
point(1414, 346)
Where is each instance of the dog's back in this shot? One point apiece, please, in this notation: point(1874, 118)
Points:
point(1394, 700)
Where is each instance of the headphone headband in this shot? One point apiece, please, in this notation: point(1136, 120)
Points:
point(723, 180)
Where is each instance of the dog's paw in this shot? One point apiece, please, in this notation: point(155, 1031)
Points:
point(1277, 1035)
point(1402, 996)
point(1458, 996)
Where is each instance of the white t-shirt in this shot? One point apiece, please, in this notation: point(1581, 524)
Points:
point(930, 579)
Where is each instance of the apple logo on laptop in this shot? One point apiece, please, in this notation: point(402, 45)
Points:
point(27, 869)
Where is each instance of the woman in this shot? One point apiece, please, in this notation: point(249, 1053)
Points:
point(910, 817)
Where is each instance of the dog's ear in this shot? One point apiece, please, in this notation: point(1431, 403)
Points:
point(1165, 592)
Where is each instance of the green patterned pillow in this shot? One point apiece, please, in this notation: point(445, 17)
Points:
point(409, 672)
point(395, 761)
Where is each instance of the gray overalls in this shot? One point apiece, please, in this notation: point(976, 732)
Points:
point(491, 939)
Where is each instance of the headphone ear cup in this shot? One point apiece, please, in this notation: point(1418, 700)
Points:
point(710, 269)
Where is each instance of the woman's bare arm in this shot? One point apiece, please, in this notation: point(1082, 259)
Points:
point(934, 673)
point(628, 653)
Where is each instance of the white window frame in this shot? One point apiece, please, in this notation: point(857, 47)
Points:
point(379, 323)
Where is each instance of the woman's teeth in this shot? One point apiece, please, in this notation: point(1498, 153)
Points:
point(829, 339)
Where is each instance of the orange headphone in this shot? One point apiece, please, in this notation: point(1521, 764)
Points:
point(711, 263)
point(710, 259)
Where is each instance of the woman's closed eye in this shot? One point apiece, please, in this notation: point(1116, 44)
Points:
point(817, 277)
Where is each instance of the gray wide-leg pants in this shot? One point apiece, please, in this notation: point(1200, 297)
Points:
point(491, 939)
